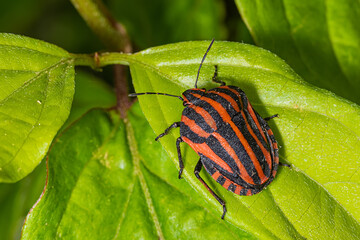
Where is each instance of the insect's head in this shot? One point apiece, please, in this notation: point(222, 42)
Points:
point(191, 96)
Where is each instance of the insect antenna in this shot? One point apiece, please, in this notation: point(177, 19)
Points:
point(197, 77)
point(146, 93)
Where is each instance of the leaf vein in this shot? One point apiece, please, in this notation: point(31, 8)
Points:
point(136, 158)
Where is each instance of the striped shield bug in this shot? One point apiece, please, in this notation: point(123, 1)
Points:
point(235, 144)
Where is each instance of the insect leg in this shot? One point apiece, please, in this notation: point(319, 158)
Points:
point(181, 164)
point(197, 170)
point(215, 79)
point(174, 125)
point(271, 117)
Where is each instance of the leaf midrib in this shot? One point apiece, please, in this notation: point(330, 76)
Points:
point(152, 66)
point(136, 157)
point(34, 78)
point(32, 50)
point(45, 71)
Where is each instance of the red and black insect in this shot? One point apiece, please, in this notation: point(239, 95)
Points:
point(235, 144)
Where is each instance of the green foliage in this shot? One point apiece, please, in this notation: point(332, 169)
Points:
point(16, 199)
point(95, 180)
point(103, 184)
point(108, 178)
point(310, 119)
point(320, 39)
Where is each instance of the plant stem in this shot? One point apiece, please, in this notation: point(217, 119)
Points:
point(110, 32)
point(99, 60)
point(114, 36)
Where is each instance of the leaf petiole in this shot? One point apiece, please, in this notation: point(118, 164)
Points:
point(98, 60)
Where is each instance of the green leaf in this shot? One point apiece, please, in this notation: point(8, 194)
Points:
point(16, 199)
point(320, 39)
point(109, 174)
point(318, 131)
point(37, 87)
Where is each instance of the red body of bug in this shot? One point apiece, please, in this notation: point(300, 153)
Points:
point(235, 144)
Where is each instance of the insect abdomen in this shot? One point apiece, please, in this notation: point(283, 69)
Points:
point(230, 137)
